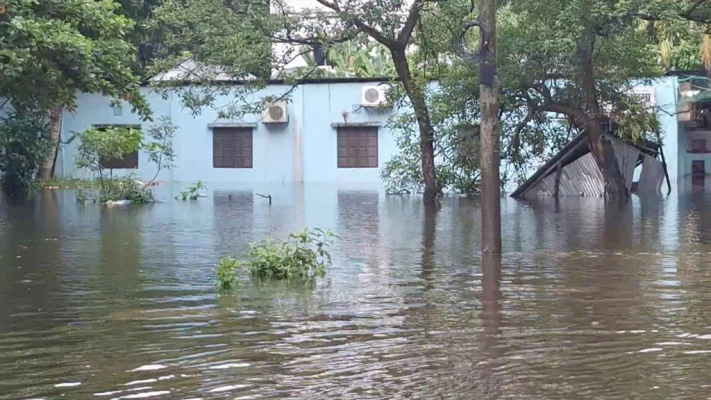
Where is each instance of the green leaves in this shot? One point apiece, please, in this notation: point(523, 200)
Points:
point(304, 256)
point(192, 192)
point(24, 144)
point(50, 49)
point(100, 145)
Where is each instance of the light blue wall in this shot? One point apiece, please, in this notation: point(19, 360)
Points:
point(95, 109)
point(666, 97)
point(324, 104)
point(304, 150)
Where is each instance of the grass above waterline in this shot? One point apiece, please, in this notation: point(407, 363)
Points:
point(74, 183)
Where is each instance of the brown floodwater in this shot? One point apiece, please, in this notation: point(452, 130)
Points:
point(589, 301)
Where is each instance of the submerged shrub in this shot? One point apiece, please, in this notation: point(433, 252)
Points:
point(25, 143)
point(227, 270)
point(303, 256)
point(192, 192)
point(82, 198)
point(118, 189)
point(127, 188)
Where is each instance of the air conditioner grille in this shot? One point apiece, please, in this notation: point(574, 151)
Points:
point(372, 95)
point(276, 113)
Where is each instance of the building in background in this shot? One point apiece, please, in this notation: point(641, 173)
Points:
point(330, 131)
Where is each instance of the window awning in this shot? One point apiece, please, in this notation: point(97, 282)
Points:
point(232, 125)
point(355, 124)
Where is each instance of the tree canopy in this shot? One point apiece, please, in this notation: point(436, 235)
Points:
point(49, 50)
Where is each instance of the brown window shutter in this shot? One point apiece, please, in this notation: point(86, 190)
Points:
point(357, 147)
point(129, 161)
point(232, 147)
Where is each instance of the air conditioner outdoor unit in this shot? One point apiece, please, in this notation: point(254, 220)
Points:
point(275, 113)
point(374, 96)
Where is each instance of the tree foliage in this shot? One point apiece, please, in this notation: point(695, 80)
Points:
point(51, 49)
point(548, 53)
point(98, 146)
point(364, 58)
point(24, 144)
point(160, 148)
point(214, 40)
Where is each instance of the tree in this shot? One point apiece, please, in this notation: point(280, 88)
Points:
point(213, 40)
point(160, 148)
point(147, 36)
point(391, 23)
point(52, 49)
point(24, 144)
point(98, 146)
point(453, 101)
point(579, 59)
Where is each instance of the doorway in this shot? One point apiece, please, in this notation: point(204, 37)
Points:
point(698, 172)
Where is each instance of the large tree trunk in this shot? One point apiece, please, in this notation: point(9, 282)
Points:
point(600, 148)
point(489, 136)
point(606, 160)
point(55, 127)
point(417, 98)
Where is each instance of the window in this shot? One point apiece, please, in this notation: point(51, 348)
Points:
point(129, 161)
point(358, 147)
point(698, 167)
point(698, 145)
point(232, 148)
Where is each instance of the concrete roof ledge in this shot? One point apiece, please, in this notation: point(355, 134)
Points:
point(232, 125)
point(356, 124)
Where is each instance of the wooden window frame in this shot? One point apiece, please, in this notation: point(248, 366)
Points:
point(237, 138)
point(129, 161)
point(357, 147)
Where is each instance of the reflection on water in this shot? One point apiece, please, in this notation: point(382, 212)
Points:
point(589, 301)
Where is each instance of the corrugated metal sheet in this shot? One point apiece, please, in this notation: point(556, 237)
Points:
point(652, 176)
point(582, 176)
point(626, 160)
point(579, 178)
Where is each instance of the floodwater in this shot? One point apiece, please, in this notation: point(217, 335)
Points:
point(589, 301)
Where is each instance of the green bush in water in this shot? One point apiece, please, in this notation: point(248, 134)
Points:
point(125, 189)
point(118, 189)
point(227, 273)
point(192, 192)
point(303, 256)
point(25, 143)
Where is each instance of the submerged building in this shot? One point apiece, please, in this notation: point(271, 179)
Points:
point(335, 131)
point(330, 131)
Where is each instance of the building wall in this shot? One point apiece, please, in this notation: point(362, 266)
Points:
point(666, 99)
point(304, 150)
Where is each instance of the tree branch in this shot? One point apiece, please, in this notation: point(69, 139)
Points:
point(688, 14)
point(313, 41)
point(577, 116)
point(691, 9)
point(413, 16)
point(362, 26)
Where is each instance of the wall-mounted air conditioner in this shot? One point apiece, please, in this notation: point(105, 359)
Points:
point(374, 96)
point(275, 113)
